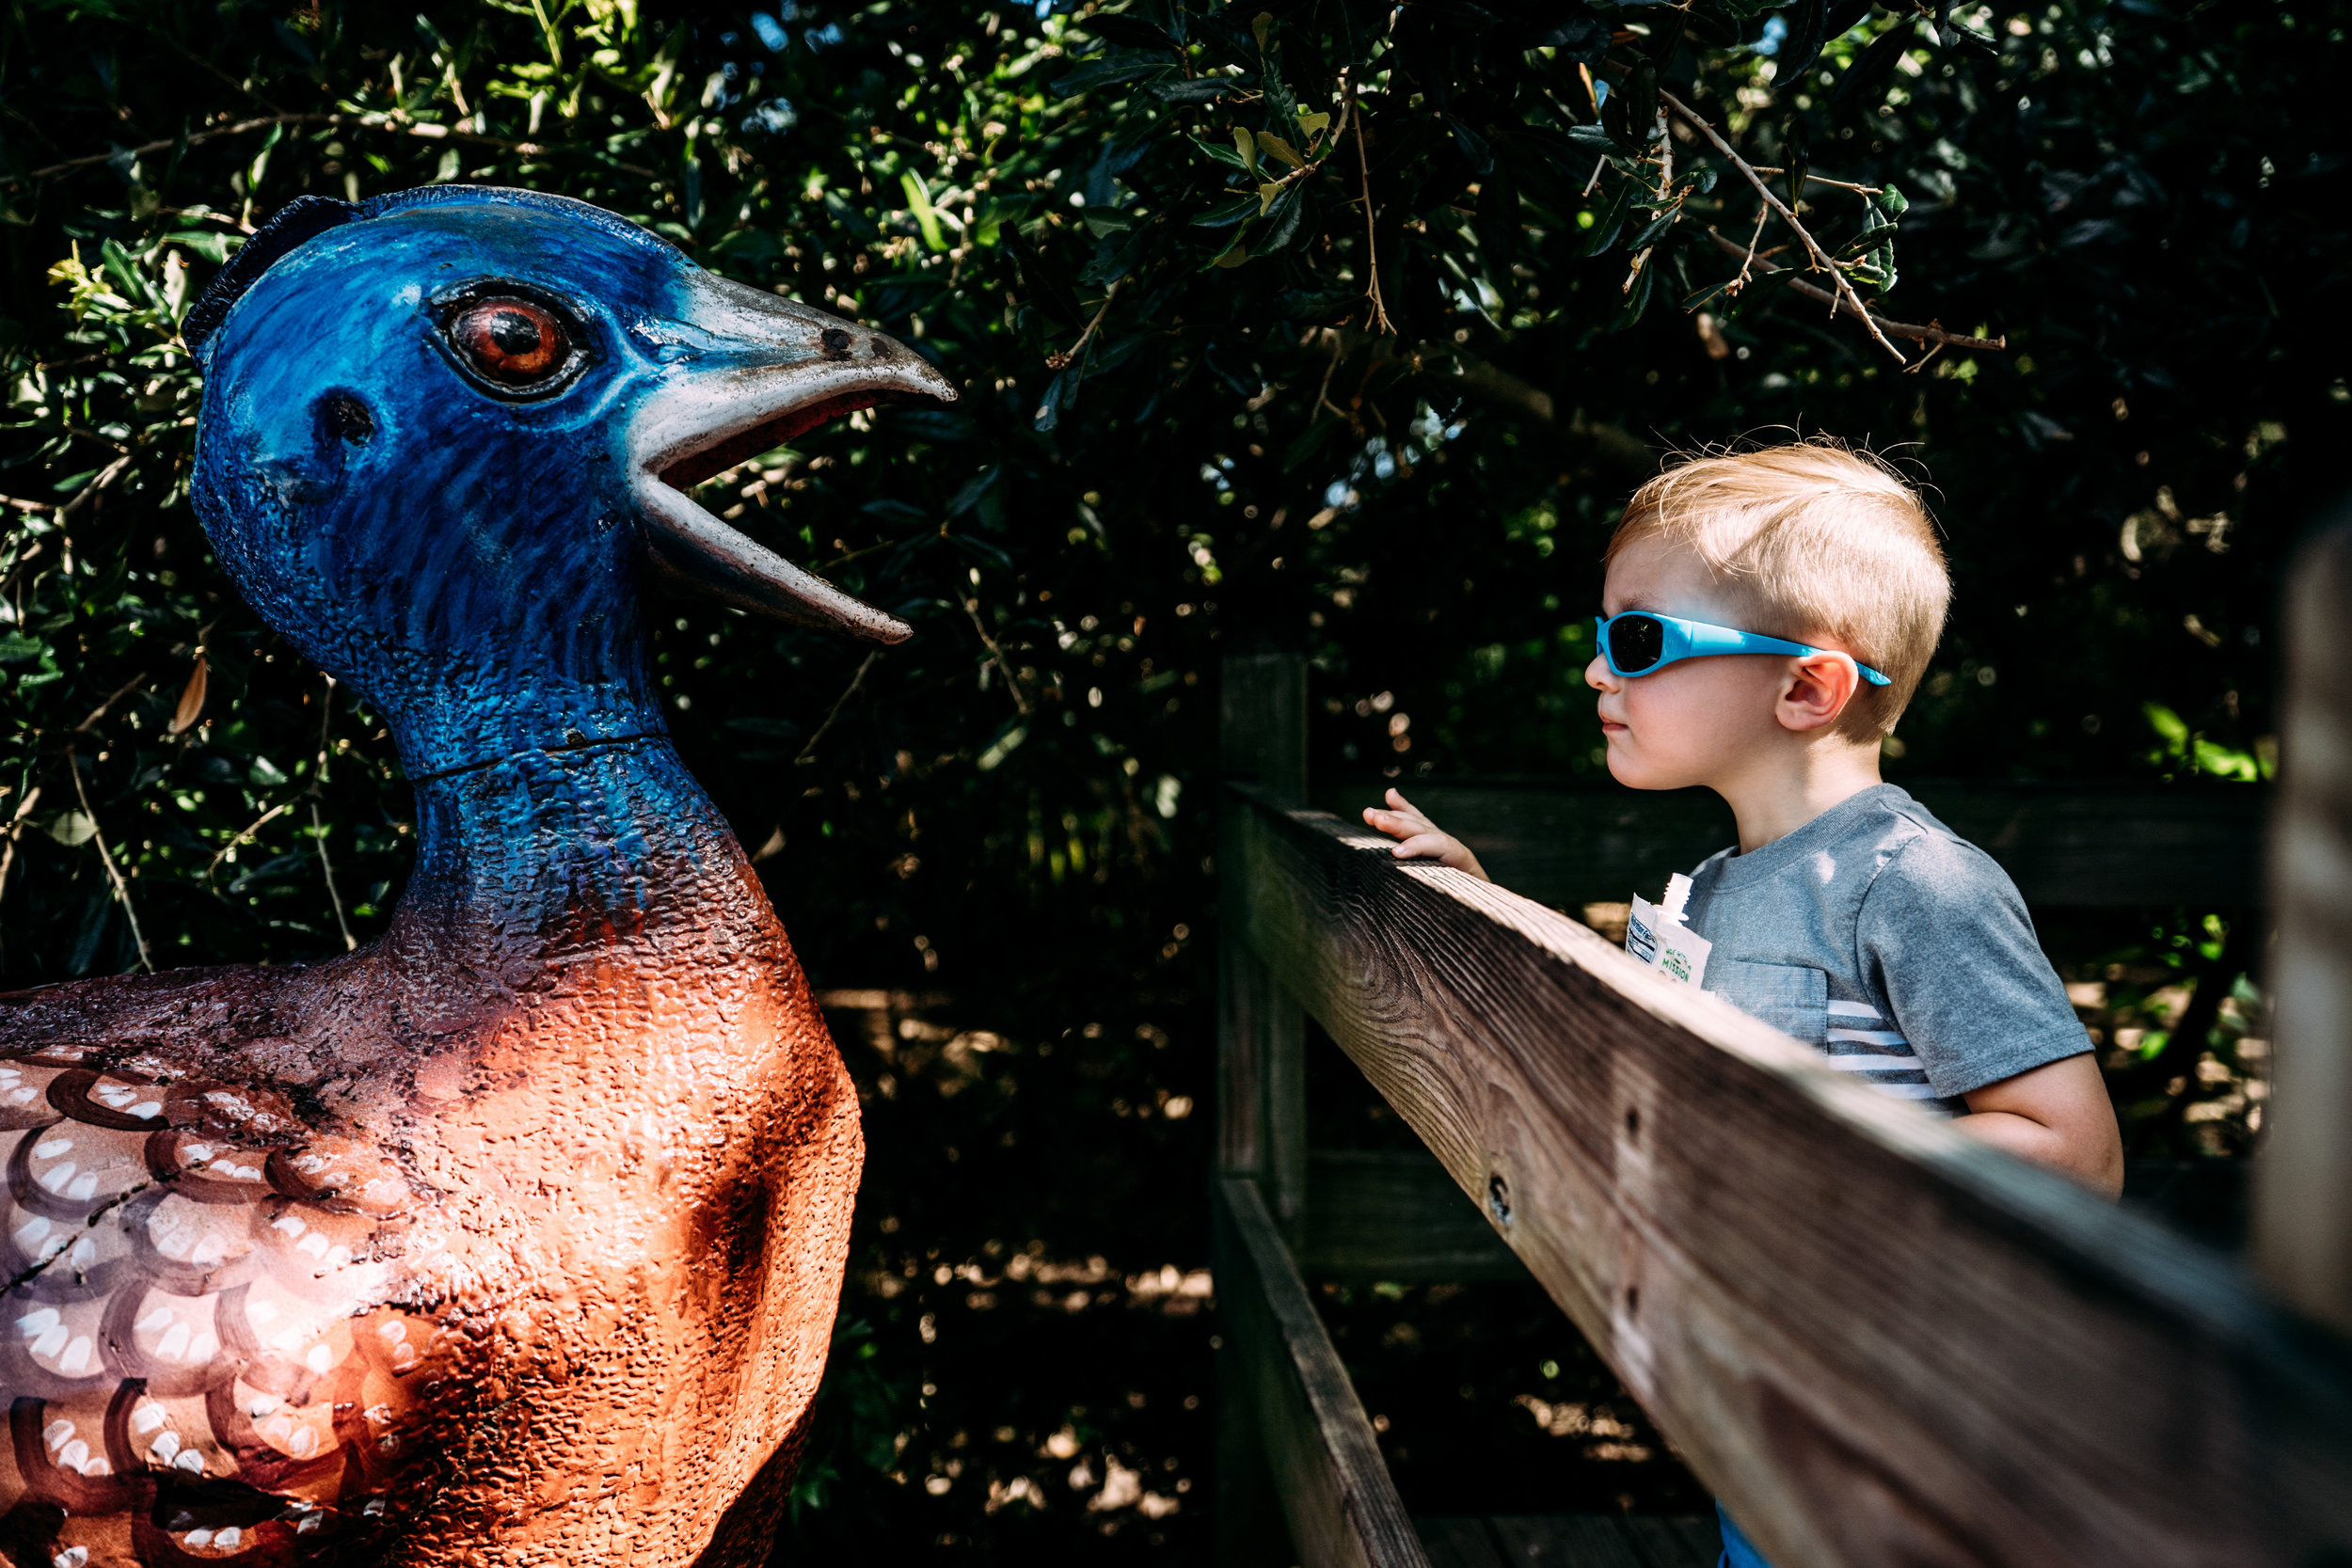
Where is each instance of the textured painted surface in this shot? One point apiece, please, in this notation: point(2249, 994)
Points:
point(514, 1237)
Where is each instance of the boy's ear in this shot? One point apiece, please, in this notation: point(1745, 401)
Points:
point(1815, 689)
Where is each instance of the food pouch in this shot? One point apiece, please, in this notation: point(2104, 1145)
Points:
point(1655, 934)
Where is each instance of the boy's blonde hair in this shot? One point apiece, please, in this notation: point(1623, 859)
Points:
point(1814, 543)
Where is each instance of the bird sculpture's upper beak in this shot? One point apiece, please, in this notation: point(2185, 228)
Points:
point(745, 371)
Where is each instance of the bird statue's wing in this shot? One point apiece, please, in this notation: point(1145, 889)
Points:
point(202, 1359)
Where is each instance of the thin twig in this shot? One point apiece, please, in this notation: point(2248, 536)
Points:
point(1929, 334)
point(1056, 361)
point(855, 555)
point(318, 837)
point(1323, 393)
point(106, 476)
point(105, 858)
point(1379, 321)
point(838, 702)
point(317, 827)
point(424, 130)
point(100, 712)
point(1665, 191)
point(1813, 179)
point(972, 608)
point(1748, 261)
point(254, 827)
point(16, 826)
point(1845, 289)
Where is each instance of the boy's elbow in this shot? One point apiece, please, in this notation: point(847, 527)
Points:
point(2105, 1173)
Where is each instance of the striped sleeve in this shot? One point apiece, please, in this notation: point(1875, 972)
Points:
point(1873, 1049)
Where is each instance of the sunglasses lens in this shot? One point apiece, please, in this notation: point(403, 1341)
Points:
point(1635, 642)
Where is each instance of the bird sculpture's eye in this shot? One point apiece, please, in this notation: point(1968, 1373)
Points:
point(512, 341)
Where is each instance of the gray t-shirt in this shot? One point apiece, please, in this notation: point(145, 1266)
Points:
point(1898, 948)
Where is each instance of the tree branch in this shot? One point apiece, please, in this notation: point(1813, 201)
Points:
point(1057, 361)
point(1379, 321)
point(427, 131)
point(1846, 294)
point(1929, 334)
point(105, 858)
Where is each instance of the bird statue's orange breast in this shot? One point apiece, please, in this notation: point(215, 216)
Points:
point(514, 1237)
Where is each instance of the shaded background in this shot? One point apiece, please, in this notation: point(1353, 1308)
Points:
point(992, 845)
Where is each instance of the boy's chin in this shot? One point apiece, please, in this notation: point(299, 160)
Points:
point(1634, 773)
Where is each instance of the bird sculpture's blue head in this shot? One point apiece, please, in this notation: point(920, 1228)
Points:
point(447, 433)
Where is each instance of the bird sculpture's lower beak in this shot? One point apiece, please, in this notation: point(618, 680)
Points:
point(746, 371)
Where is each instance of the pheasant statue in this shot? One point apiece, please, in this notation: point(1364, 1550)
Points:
point(514, 1237)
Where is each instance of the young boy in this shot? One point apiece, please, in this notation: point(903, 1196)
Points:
point(1768, 615)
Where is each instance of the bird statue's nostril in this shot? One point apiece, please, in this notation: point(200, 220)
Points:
point(836, 344)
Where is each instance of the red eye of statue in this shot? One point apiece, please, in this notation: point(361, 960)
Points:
point(512, 341)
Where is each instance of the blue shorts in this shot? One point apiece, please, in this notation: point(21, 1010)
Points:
point(1739, 1551)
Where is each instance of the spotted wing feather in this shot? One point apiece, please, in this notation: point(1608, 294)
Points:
point(197, 1341)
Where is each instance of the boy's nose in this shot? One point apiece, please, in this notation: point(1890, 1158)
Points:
point(1600, 676)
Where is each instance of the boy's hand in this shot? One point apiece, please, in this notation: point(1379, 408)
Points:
point(1421, 839)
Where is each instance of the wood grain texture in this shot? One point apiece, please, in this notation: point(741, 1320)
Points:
point(1563, 1541)
point(1340, 1506)
point(2303, 1188)
point(1675, 1542)
point(1878, 1339)
point(1569, 1541)
point(1396, 1217)
point(1458, 1541)
point(2065, 845)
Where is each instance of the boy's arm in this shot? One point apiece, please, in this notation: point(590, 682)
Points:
point(1422, 839)
point(2056, 1114)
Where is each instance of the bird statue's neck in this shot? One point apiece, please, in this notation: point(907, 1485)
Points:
point(550, 820)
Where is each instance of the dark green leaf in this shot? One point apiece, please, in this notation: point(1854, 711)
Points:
point(1864, 83)
point(1226, 214)
point(1868, 239)
point(1654, 231)
point(1808, 24)
point(1281, 221)
point(1611, 216)
point(1107, 72)
point(1221, 153)
point(1201, 89)
point(1127, 30)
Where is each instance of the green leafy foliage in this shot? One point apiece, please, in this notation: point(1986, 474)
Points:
point(1329, 325)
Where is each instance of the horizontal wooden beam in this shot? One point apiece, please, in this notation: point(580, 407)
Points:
point(1336, 1494)
point(2067, 845)
point(1878, 1338)
point(1398, 1217)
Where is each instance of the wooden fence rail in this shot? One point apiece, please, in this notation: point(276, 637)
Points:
point(1879, 1340)
point(2076, 846)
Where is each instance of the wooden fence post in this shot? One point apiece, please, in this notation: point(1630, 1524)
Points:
point(1261, 1083)
point(2303, 1179)
point(1261, 1109)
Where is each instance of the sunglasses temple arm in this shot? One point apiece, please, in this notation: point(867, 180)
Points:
point(1720, 640)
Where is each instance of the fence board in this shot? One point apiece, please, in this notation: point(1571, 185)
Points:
point(2066, 844)
point(2303, 1192)
point(1879, 1339)
point(1396, 1217)
point(1337, 1498)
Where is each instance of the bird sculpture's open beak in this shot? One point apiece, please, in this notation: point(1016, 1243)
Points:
point(747, 371)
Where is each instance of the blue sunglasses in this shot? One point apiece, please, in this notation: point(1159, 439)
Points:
point(1637, 642)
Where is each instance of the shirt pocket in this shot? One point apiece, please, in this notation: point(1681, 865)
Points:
point(1793, 998)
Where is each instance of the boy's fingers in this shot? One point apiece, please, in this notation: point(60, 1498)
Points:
point(1397, 801)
